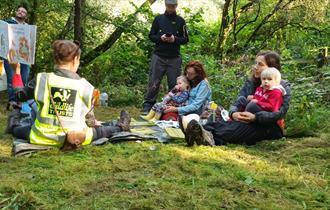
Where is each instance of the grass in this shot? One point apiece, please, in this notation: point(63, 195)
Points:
point(281, 174)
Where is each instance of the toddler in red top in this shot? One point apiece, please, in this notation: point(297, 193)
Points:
point(267, 97)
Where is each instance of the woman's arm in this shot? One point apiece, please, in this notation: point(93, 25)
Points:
point(203, 93)
point(247, 89)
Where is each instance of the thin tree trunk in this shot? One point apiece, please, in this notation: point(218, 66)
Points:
point(107, 44)
point(223, 27)
point(33, 21)
point(68, 26)
point(32, 14)
point(83, 24)
point(77, 21)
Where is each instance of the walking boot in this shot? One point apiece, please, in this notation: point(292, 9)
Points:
point(124, 121)
point(14, 119)
point(196, 133)
point(192, 132)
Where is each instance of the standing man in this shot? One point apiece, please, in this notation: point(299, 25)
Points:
point(20, 18)
point(168, 32)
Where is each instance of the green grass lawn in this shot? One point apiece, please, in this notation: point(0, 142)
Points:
point(282, 174)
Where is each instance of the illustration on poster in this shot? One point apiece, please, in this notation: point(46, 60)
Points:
point(23, 49)
point(12, 52)
point(2, 43)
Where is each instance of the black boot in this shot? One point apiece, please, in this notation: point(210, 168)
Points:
point(124, 121)
point(14, 119)
point(196, 133)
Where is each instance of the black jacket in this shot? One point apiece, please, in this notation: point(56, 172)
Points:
point(172, 24)
point(264, 116)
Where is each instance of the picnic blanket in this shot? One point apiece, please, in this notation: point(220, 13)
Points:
point(23, 147)
point(142, 131)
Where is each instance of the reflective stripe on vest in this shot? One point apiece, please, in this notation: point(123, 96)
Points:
point(72, 99)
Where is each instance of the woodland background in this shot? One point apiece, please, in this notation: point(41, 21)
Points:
point(292, 173)
point(224, 35)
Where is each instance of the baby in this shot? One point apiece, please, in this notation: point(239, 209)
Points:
point(176, 97)
point(268, 96)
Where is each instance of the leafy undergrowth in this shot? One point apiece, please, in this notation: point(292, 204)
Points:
point(282, 174)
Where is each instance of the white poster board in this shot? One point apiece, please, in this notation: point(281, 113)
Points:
point(3, 77)
point(18, 42)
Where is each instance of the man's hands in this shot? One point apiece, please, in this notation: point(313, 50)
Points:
point(245, 117)
point(170, 39)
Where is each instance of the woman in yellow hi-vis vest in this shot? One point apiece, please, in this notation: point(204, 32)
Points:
point(64, 99)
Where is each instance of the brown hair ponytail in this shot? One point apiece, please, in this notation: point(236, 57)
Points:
point(65, 51)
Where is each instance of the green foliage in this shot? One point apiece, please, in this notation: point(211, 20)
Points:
point(123, 95)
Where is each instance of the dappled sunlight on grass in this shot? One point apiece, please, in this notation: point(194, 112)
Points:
point(256, 165)
point(151, 175)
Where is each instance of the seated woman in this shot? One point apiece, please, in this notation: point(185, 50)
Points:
point(200, 92)
point(63, 99)
point(245, 127)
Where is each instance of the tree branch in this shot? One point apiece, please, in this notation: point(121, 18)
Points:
point(277, 7)
point(107, 44)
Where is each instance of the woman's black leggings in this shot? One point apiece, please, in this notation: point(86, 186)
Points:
point(23, 132)
point(235, 132)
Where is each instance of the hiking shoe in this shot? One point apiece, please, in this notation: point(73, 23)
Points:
point(12, 105)
point(196, 133)
point(124, 120)
point(13, 120)
point(207, 139)
point(193, 132)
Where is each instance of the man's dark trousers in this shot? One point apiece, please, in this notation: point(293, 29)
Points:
point(158, 67)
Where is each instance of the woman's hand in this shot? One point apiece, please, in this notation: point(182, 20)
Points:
point(250, 97)
point(245, 117)
point(170, 109)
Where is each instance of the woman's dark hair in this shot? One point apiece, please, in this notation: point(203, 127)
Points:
point(65, 51)
point(272, 60)
point(199, 69)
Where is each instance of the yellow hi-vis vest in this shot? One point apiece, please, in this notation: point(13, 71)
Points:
point(72, 99)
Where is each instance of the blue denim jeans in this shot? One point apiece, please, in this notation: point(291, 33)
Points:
point(25, 72)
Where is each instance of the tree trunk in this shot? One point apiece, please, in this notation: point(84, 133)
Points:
point(83, 24)
point(77, 21)
point(223, 32)
point(32, 14)
point(107, 44)
point(68, 26)
point(32, 21)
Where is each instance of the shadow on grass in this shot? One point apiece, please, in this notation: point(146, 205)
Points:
point(150, 175)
